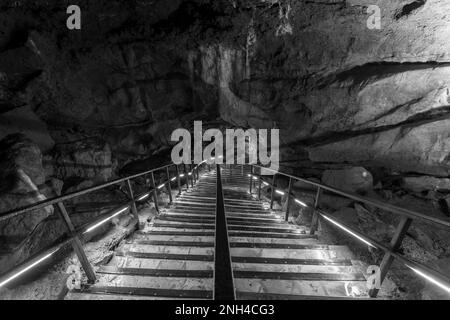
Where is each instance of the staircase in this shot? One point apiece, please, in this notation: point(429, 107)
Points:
point(173, 256)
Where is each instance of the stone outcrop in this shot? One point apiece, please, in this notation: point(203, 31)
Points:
point(422, 149)
point(426, 183)
point(22, 173)
point(355, 180)
point(89, 159)
point(24, 120)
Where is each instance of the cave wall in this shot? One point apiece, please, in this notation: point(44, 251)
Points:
point(346, 93)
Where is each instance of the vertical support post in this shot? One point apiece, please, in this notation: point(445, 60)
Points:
point(288, 204)
point(186, 176)
point(260, 184)
point(133, 201)
point(76, 244)
point(178, 179)
point(272, 195)
point(169, 187)
point(192, 175)
point(315, 219)
point(395, 244)
point(155, 192)
point(251, 178)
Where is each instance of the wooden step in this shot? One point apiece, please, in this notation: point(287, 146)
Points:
point(148, 292)
point(128, 261)
point(165, 256)
point(155, 272)
point(298, 287)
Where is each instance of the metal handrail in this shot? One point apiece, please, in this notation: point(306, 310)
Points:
point(39, 205)
point(391, 251)
point(74, 233)
point(373, 202)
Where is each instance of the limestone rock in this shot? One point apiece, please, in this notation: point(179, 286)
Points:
point(304, 216)
point(426, 183)
point(91, 159)
point(19, 152)
point(24, 120)
point(422, 149)
point(355, 180)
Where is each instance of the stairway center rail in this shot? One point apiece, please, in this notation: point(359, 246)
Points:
point(223, 272)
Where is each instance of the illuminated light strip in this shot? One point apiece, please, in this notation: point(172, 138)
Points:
point(249, 175)
point(255, 178)
point(27, 268)
point(105, 220)
point(181, 175)
point(173, 179)
point(190, 174)
point(279, 192)
point(432, 280)
point(348, 231)
point(301, 203)
point(145, 196)
point(161, 186)
point(265, 183)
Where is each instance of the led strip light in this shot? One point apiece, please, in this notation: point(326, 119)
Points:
point(105, 220)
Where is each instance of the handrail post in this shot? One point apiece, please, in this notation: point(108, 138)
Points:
point(169, 188)
point(155, 192)
point(288, 205)
point(133, 201)
point(315, 219)
point(260, 184)
point(76, 244)
point(251, 178)
point(273, 191)
point(178, 179)
point(395, 244)
point(186, 176)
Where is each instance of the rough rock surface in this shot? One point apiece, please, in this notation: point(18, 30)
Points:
point(425, 183)
point(356, 180)
point(21, 174)
point(24, 120)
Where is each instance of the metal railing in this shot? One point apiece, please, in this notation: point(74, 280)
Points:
point(191, 175)
point(75, 235)
point(391, 251)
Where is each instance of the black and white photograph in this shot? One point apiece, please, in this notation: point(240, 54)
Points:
point(225, 158)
